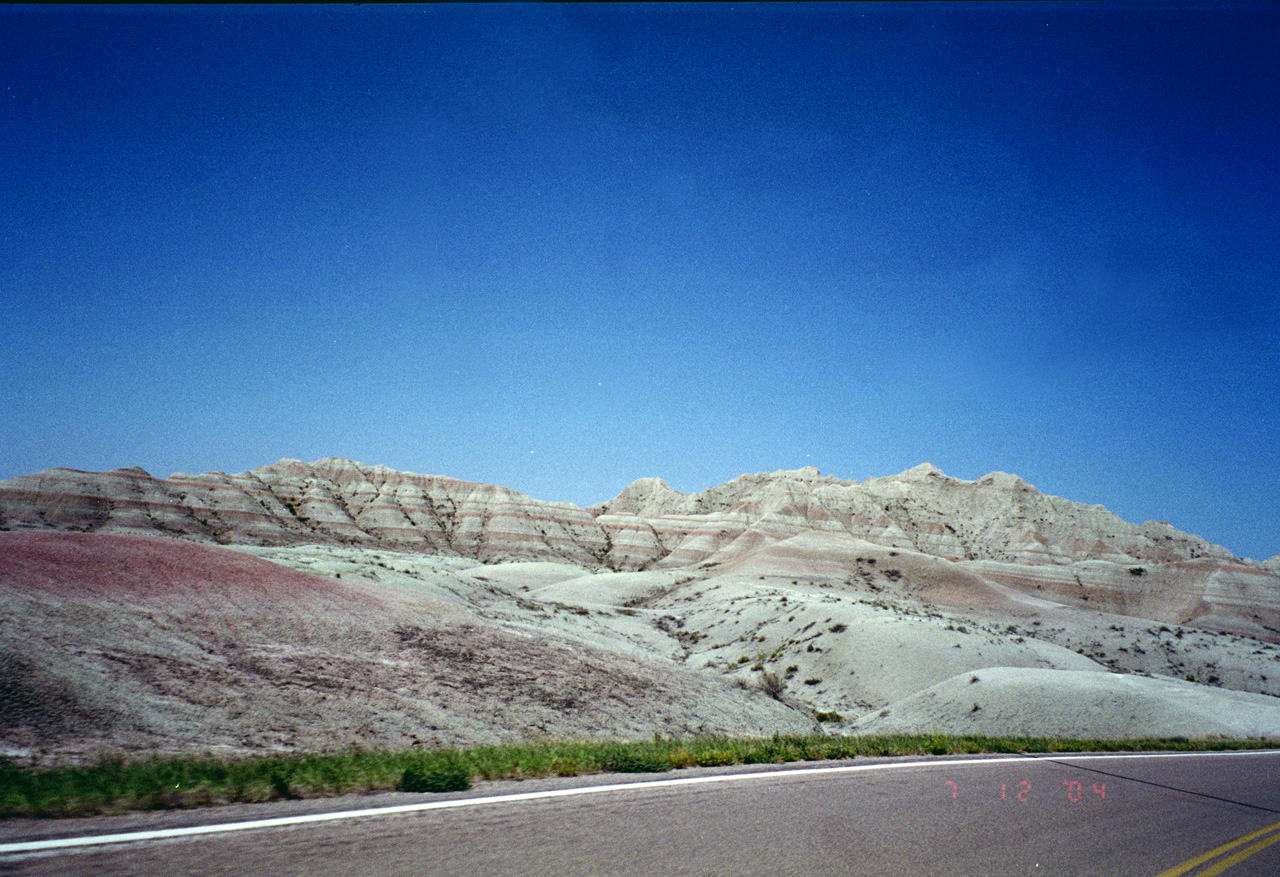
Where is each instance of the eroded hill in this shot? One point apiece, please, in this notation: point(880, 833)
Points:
point(998, 527)
point(317, 606)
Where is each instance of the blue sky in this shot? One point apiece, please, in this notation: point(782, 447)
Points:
point(559, 248)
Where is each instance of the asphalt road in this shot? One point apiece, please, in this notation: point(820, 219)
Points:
point(1195, 815)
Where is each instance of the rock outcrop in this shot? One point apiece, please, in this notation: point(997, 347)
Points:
point(998, 527)
point(331, 501)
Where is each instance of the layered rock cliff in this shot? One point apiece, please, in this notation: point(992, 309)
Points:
point(331, 501)
point(998, 527)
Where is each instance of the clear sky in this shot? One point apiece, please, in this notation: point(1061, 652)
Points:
point(559, 248)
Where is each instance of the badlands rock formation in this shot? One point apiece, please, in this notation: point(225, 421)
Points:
point(998, 527)
point(140, 644)
point(331, 604)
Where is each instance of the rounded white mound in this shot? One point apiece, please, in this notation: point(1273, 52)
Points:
point(1017, 701)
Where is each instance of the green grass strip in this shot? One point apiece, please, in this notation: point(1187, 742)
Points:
point(115, 785)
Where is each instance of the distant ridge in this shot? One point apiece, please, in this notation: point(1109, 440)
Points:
point(998, 526)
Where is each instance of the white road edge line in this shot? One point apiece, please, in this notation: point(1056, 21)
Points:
point(280, 821)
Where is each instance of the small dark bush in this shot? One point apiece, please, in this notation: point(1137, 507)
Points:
point(936, 745)
point(280, 785)
point(440, 779)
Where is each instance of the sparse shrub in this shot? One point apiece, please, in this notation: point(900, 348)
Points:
point(772, 684)
point(828, 717)
point(437, 779)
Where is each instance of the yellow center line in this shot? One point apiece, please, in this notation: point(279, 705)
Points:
point(1217, 851)
point(1240, 856)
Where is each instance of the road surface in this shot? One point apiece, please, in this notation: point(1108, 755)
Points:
point(1167, 815)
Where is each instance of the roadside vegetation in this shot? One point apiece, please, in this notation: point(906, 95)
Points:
point(114, 785)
